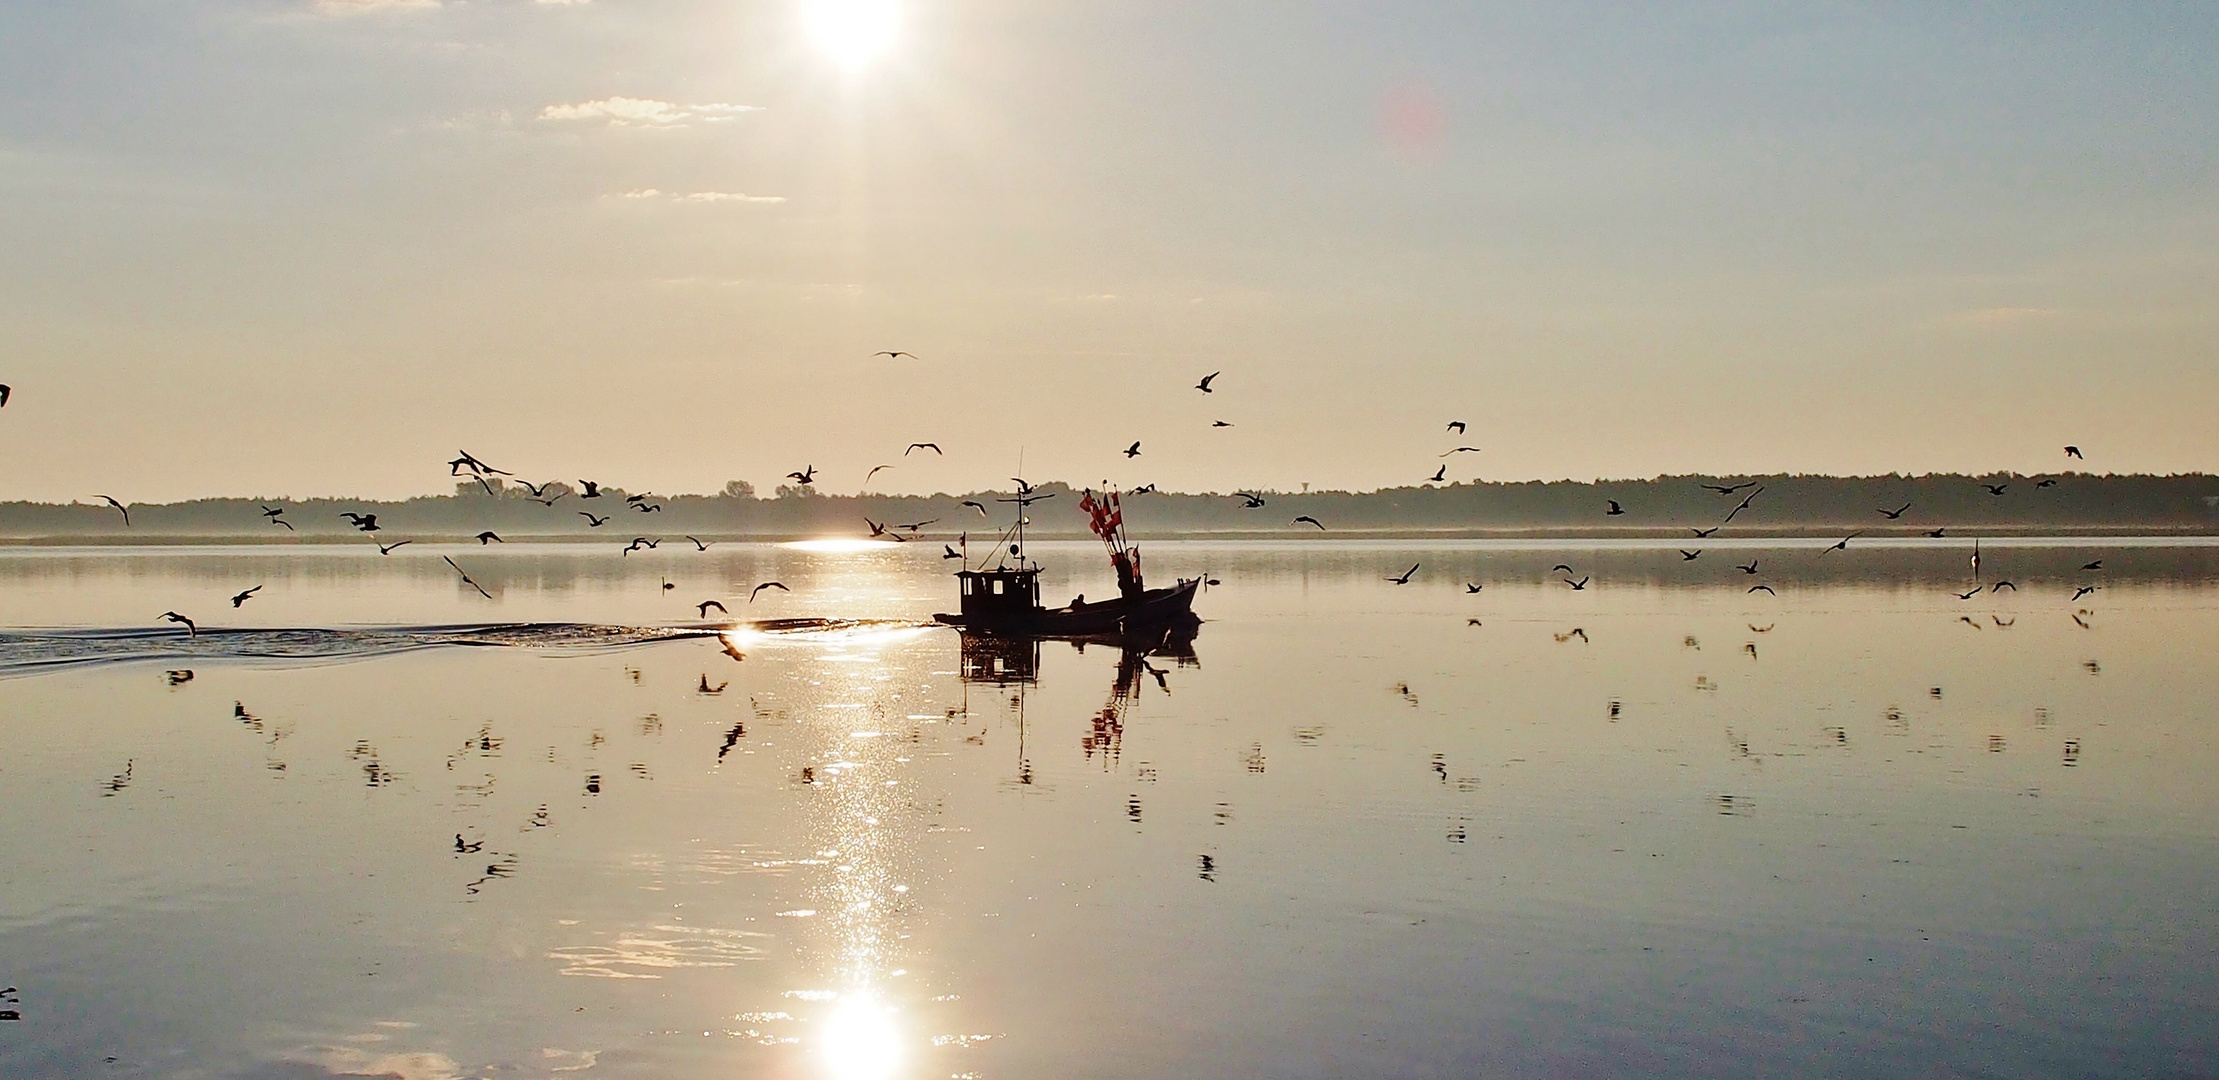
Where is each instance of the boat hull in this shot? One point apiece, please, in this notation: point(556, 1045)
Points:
point(1153, 610)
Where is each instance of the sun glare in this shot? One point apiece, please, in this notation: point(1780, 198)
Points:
point(861, 1041)
point(852, 32)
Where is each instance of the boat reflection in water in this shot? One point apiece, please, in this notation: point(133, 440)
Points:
point(1013, 661)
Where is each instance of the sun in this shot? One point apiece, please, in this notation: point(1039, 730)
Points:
point(852, 32)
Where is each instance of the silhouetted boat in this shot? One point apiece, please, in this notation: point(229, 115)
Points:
point(1005, 599)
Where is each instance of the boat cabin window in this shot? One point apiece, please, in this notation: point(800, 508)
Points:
point(997, 586)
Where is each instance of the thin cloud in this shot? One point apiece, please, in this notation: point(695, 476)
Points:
point(644, 194)
point(644, 112)
point(358, 7)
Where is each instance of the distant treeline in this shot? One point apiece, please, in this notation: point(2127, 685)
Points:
point(1664, 506)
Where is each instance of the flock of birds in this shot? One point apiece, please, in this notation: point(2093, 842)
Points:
point(475, 469)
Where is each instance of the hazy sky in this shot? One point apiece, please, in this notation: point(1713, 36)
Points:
point(290, 247)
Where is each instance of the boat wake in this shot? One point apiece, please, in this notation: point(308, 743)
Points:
point(32, 652)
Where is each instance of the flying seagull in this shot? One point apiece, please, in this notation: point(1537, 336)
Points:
point(704, 607)
point(5, 392)
point(1748, 568)
point(1405, 578)
point(190, 629)
point(1968, 595)
point(111, 500)
point(767, 585)
point(1204, 385)
point(2084, 590)
point(2002, 585)
point(2097, 565)
point(805, 477)
point(466, 578)
point(591, 521)
point(874, 472)
point(947, 551)
point(1746, 500)
point(1689, 556)
point(384, 549)
point(1311, 520)
point(1702, 533)
point(1439, 475)
point(1254, 501)
point(698, 545)
point(2070, 451)
point(1843, 543)
point(976, 505)
point(1470, 588)
point(894, 354)
point(1895, 514)
point(1936, 533)
point(271, 511)
point(364, 522)
point(242, 598)
point(1762, 588)
point(1580, 585)
point(934, 447)
point(1995, 489)
point(1614, 510)
point(490, 537)
point(1219, 423)
point(1456, 426)
point(593, 490)
point(1133, 451)
point(455, 467)
point(1464, 450)
point(1728, 490)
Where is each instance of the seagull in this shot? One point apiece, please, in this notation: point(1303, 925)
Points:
point(874, 472)
point(591, 521)
point(364, 522)
point(2070, 451)
point(1133, 451)
point(934, 447)
point(975, 505)
point(704, 607)
point(1456, 426)
point(1405, 578)
point(1765, 629)
point(767, 585)
point(2001, 585)
point(490, 537)
point(2040, 484)
point(648, 507)
point(1471, 588)
point(1204, 385)
point(805, 477)
point(190, 629)
point(455, 467)
point(281, 521)
point(2084, 590)
point(667, 586)
point(1689, 556)
point(384, 549)
point(593, 490)
point(242, 598)
point(1614, 510)
point(1219, 423)
point(2083, 623)
point(1843, 543)
point(640, 542)
point(947, 551)
point(2097, 565)
point(1968, 595)
point(1144, 489)
point(538, 492)
point(1894, 514)
point(894, 354)
point(913, 527)
point(466, 578)
point(271, 511)
point(1995, 489)
point(5, 391)
point(1465, 450)
point(1967, 620)
point(1728, 490)
point(1565, 567)
point(698, 545)
point(1439, 475)
point(1703, 533)
point(1254, 501)
point(877, 530)
point(2000, 622)
point(1749, 568)
point(1580, 585)
point(1936, 533)
point(1311, 520)
point(1751, 497)
point(1763, 589)
point(111, 500)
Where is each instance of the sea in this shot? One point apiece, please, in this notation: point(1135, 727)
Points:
point(1883, 816)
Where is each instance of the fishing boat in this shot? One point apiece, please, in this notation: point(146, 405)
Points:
point(1005, 598)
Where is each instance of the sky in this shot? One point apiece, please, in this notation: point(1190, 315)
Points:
point(314, 247)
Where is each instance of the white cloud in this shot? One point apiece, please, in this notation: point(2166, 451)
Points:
point(700, 196)
point(357, 7)
point(643, 111)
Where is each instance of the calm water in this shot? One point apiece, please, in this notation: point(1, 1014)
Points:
point(1661, 826)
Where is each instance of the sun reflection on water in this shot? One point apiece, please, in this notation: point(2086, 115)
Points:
point(862, 1039)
